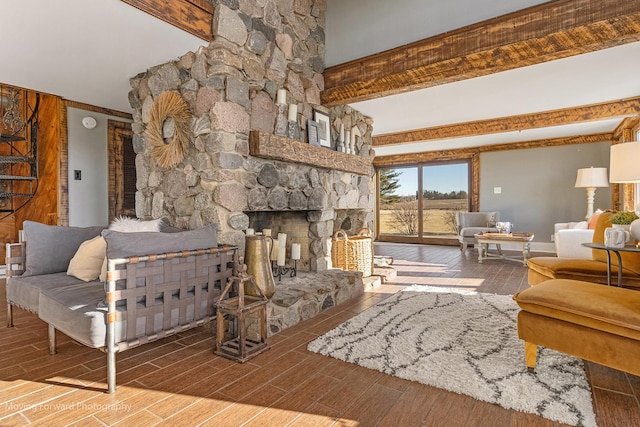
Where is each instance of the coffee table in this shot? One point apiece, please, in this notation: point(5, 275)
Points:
point(486, 239)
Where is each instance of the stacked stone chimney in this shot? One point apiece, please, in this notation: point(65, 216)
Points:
point(230, 87)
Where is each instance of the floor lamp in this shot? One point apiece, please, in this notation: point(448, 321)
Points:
point(591, 178)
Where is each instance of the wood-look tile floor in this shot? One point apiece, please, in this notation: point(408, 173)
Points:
point(179, 381)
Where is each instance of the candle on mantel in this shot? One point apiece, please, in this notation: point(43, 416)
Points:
point(274, 251)
point(281, 255)
point(267, 232)
point(295, 251)
point(281, 97)
point(347, 140)
point(282, 248)
point(341, 132)
point(293, 112)
point(250, 232)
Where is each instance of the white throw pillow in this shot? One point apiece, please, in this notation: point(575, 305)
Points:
point(86, 264)
point(133, 225)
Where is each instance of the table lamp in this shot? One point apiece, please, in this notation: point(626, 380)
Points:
point(624, 169)
point(591, 178)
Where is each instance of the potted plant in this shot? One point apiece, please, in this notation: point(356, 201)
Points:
point(623, 219)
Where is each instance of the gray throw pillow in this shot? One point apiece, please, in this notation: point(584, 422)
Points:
point(124, 245)
point(49, 248)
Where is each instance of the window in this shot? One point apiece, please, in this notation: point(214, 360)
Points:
point(418, 203)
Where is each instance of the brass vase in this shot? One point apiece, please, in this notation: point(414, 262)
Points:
point(256, 257)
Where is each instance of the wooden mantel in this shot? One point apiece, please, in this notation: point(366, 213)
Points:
point(268, 146)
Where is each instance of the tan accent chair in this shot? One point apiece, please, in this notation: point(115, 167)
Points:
point(586, 320)
point(592, 270)
point(468, 224)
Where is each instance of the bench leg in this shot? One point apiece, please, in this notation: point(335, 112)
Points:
point(9, 315)
point(530, 351)
point(52, 339)
point(111, 371)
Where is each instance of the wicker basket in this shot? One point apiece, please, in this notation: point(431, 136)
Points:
point(353, 253)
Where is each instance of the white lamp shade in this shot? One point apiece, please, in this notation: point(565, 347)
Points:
point(592, 177)
point(624, 166)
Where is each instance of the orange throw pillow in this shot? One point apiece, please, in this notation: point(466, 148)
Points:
point(594, 220)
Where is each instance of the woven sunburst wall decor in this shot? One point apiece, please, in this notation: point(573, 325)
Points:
point(169, 105)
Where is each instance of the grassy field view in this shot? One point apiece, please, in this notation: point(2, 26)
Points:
point(438, 217)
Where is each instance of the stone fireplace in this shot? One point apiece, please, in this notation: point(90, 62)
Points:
point(236, 171)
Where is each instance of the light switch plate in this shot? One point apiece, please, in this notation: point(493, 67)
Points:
point(497, 190)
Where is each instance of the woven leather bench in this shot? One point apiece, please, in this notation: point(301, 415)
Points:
point(594, 322)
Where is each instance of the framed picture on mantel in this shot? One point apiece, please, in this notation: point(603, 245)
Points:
point(324, 128)
point(313, 131)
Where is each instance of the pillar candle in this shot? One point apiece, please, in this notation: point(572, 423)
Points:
point(293, 112)
point(274, 251)
point(341, 132)
point(266, 232)
point(347, 140)
point(282, 241)
point(281, 97)
point(250, 232)
point(281, 254)
point(295, 251)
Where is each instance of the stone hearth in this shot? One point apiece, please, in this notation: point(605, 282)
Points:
point(309, 294)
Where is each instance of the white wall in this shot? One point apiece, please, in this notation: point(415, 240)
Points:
point(88, 197)
point(356, 28)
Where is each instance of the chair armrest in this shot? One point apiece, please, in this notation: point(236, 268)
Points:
point(15, 253)
point(569, 243)
point(580, 225)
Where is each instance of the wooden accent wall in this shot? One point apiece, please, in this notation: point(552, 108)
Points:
point(119, 134)
point(43, 207)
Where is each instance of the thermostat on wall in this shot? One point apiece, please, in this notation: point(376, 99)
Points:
point(89, 122)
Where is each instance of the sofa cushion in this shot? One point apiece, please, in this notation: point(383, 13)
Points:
point(603, 221)
point(79, 311)
point(542, 269)
point(49, 248)
point(87, 263)
point(76, 311)
point(606, 308)
point(472, 231)
point(124, 245)
point(630, 260)
point(24, 291)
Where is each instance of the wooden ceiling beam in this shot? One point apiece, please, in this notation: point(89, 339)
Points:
point(465, 153)
point(192, 16)
point(626, 130)
point(619, 108)
point(549, 31)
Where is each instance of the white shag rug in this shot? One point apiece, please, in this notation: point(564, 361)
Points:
point(465, 342)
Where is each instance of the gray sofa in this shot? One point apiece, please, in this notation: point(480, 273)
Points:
point(471, 223)
point(156, 284)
